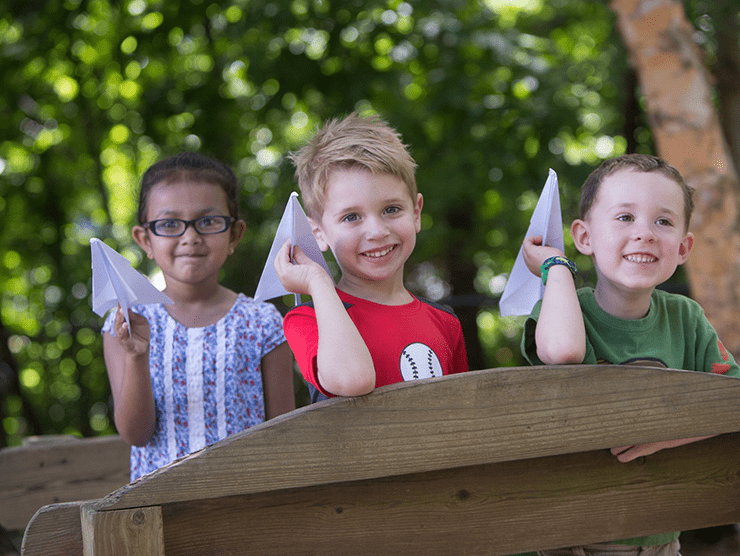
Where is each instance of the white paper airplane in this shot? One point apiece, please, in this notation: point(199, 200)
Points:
point(294, 225)
point(524, 289)
point(115, 282)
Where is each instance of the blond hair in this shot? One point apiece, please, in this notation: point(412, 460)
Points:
point(352, 142)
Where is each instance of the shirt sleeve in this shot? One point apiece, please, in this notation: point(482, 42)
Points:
point(529, 340)
point(302, 333)
point(459, 352)
point(271, 322)
point(529, 343)
point(711, 354)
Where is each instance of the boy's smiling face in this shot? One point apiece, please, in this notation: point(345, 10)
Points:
point(370, 223)
point(636, 233)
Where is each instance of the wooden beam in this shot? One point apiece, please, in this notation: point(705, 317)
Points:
point(58, 469)
point(135, 532)
point(495, 454)
point(55, 530)
point(493, 509)
point(475, 418)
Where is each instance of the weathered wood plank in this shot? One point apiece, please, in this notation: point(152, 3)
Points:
point(135, 532)
point(503, 450)
point(481, 417)
point(491, 509)
point(62, 470)
point(55, 530)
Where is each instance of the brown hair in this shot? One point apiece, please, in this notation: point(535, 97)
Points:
point(353, 142)
point(639, 163)
point(193, 167)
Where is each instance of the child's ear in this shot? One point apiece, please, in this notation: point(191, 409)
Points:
point(581, 234)
point(685, 248)
point(318, 234)
point(237, 231)
point(417, 212)
point(141, 237)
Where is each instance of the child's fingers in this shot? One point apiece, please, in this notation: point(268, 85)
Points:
point(283, 257)
point(120, 326)
point(299, 256)
point(626, 453)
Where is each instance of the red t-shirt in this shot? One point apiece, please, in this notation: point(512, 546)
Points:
point(407, 342)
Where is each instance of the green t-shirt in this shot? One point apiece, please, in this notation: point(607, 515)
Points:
point(675, 334)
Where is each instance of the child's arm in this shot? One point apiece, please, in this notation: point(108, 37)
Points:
point(277, 381)
point(127, 363)
point(628, 453)
point(345, 366)
point(560, 333)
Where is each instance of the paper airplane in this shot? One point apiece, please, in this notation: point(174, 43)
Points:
point(294, 225)
point(524, 289)
point(115, 282)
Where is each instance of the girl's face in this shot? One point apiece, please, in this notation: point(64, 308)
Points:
point(191, 259)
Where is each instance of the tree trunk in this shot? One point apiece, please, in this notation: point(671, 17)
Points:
point(727, 71)
point(688, 134)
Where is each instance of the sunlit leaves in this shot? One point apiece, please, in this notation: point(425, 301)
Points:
point(487, 94)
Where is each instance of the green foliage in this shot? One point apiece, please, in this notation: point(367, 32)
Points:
point(489, 94)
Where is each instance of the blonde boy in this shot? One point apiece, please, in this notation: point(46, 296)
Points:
point(357, 183)
point(634, 222)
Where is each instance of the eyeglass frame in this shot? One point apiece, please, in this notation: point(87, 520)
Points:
point(151, 225)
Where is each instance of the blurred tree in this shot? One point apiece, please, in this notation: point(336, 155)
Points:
point(488, 94)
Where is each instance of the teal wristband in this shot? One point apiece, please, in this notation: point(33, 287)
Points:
point(552, 261)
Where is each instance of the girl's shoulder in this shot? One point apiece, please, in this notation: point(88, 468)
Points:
point(247, 307)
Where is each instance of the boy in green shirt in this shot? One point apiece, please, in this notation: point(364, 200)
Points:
point(634, 219)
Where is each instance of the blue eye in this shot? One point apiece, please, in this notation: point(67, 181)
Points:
point(351, 218)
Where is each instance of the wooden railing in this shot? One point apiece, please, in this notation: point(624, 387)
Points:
point(49, 469)
point(490, 462)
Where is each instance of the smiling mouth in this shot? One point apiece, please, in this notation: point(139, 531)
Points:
point(379, 252)
point(639, 258)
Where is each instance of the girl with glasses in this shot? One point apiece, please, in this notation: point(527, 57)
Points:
point(213, 363)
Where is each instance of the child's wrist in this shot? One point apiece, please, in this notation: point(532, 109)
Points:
point(321, 283)
point(557, 261)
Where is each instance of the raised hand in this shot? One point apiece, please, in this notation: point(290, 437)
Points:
point(136, 340)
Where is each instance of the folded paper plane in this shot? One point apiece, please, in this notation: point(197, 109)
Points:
point(524, 289)
point(294, 225)
point(115, 282)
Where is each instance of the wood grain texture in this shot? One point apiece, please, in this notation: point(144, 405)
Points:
point(461, 420)
point(135, 532)
point(500, 508)
point(55, 530)
point(491, 462)
point(62, 470)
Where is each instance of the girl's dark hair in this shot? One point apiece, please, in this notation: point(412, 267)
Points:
point(193, 167)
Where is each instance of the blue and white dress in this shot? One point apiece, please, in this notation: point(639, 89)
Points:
point(207, 382)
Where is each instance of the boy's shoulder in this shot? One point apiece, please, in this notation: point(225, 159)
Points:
point(438, 306)
point(360, 304)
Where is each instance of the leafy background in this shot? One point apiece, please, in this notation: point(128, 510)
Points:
point(489, 94)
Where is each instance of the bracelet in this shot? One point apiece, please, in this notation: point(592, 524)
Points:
point(552, 261)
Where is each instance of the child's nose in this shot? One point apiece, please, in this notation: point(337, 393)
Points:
point(375, 228)
point(644, 232)
point(191, 235)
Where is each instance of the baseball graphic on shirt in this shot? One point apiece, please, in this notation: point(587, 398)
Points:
point(419, 361)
